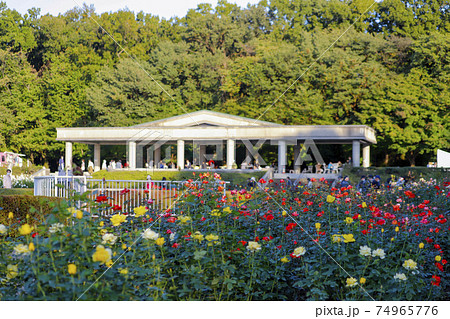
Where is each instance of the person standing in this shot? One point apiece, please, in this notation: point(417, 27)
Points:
point(288, 182)
point(61, 164)
point(7, 182)
point(90, 167)
point(83, 165)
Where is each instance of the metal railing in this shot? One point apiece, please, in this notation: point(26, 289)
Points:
point(123, 195)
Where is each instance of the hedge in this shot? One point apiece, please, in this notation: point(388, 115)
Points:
point(36, 207)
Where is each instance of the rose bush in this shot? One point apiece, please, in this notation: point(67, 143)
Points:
point(272, 243)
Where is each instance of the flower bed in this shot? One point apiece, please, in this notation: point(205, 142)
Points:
point(20, 181)
point(265, 244)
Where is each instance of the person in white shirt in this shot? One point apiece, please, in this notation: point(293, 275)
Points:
point(7, 182)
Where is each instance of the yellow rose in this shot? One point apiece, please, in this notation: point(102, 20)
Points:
point(140, 211)
point(78, 214)
point(318, 226)
point(349, 220)
point(123, 271)
point(11, 271)
point(330, 199)
point(25, 229)
point(198, 236)
point(284, 260)
point(362, 280)
point(118, 219)
point(102, 255)
point(211, 237)
point(160, 241)
point(337, 238)
point(284, 213)
point(410, 264)
point(348, 238)
point(363, 205)
point(351, 282)
point(184, 219)
point(72, 269)
point(10, 215)
point(227, 210)
point(124, 246)
point(421, 245)
point(397, 229)
point(215, 212)
point(31, 247)
point(102, 224)
point(437, 258)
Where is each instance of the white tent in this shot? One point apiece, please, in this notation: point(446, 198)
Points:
point(443, 159)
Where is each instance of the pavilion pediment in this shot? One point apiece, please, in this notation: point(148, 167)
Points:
point(206, 119)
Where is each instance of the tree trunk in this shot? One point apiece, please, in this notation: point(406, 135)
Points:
point(386, 160)
point(412, 159)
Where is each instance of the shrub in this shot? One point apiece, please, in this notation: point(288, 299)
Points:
point(36, 207)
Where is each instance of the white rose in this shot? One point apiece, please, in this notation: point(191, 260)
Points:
point(150, 234)
point(109, 239)
point(379, 252)
point(253, 246)
point(365, 250)
point(56, 227)
point(400, 276)
point(3, 229)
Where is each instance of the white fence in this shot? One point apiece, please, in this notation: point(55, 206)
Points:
point(122, 194)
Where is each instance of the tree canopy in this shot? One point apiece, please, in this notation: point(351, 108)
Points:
point(388, 68)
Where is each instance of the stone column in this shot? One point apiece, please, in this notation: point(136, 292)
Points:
point(281, 156)
point(297, 159)
point(139, 156)
point(157, 156)
point(97, 157)
point(366, 155)
point(202, 157)
point(231, 153)
point(180, 154)
point(132, 155)
point(356, 153)
point(68, 155)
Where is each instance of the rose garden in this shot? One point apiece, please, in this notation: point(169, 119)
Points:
point(272, 242)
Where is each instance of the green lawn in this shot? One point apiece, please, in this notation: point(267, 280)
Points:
point(16, 191)
point(235, 178)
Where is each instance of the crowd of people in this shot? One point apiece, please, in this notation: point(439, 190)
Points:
point(370, 182)
point(364, 185)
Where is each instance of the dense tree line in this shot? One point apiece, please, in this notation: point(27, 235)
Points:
point(390, 70)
